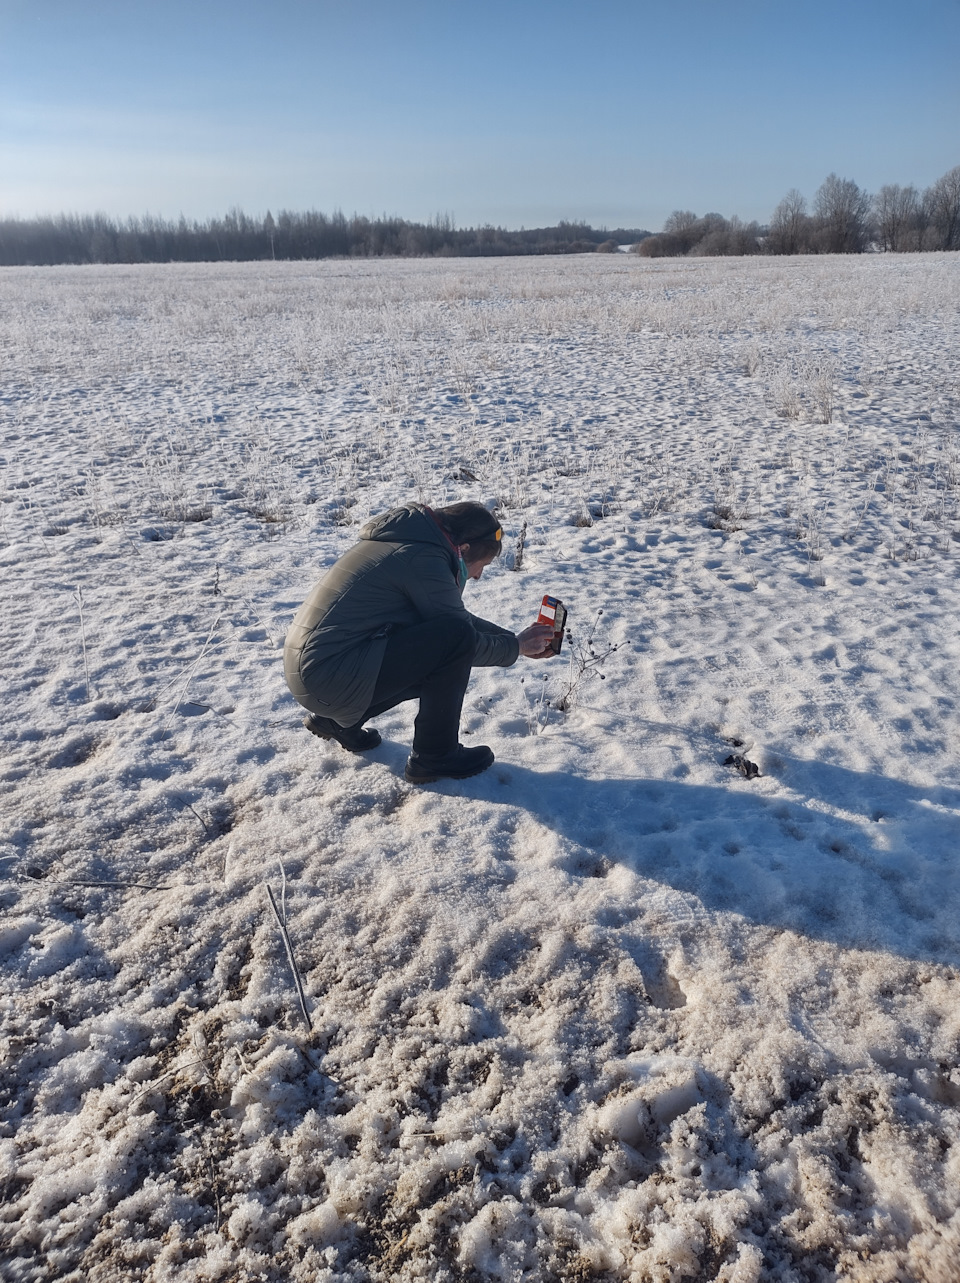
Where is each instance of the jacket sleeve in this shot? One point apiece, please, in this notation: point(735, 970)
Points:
point(433, 592)
point(495, 645)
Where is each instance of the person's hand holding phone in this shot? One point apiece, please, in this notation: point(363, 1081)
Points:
point(536, 642)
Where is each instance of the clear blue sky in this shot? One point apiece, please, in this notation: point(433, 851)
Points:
point(514, 113)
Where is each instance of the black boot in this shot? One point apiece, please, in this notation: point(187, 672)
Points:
point(353, 738)
point(424, 768)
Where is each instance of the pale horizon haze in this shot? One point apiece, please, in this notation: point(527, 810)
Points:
point(512, 114)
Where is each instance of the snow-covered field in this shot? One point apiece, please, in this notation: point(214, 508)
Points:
point(610, 1011)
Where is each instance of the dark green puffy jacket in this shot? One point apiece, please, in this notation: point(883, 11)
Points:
point(404, 570)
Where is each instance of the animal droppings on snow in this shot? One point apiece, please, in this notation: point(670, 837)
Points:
point(749, 770)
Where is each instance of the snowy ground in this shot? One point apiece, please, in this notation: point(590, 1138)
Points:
point(610, 1011)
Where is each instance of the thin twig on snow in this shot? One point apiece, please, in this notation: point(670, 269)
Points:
point(291, 959)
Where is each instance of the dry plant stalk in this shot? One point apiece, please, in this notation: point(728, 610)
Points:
point(518, 554)
point(281, 923)
point(83, 640)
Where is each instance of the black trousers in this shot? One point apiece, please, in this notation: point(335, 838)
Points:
point(430, 662)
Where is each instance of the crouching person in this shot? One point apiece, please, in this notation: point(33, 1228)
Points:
point(387, 624)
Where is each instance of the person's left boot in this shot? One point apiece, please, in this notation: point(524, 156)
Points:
point(353, 738)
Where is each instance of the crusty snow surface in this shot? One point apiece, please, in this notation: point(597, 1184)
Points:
point(610, 1011)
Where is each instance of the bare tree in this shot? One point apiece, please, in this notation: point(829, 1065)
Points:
point(680, 221)
point(790, 225)
point(897, 213)
point(744, 238)
point(842, 212)
point(942, 202)
point(683, 225)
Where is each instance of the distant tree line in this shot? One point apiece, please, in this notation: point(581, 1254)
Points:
point(844, 220)
point(95, 238)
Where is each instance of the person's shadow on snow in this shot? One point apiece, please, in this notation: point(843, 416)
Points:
point(852, 858)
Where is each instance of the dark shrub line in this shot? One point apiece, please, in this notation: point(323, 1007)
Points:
point(844, 220)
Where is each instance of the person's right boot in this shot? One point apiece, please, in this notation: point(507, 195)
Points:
point(424, 768)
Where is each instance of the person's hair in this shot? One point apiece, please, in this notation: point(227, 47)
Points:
point(473, 524)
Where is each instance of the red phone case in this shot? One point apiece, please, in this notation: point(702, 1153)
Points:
point(554, 613)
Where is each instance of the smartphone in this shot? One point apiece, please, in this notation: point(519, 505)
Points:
point(554, 613)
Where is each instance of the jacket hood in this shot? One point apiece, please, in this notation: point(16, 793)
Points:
point(412, 524)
